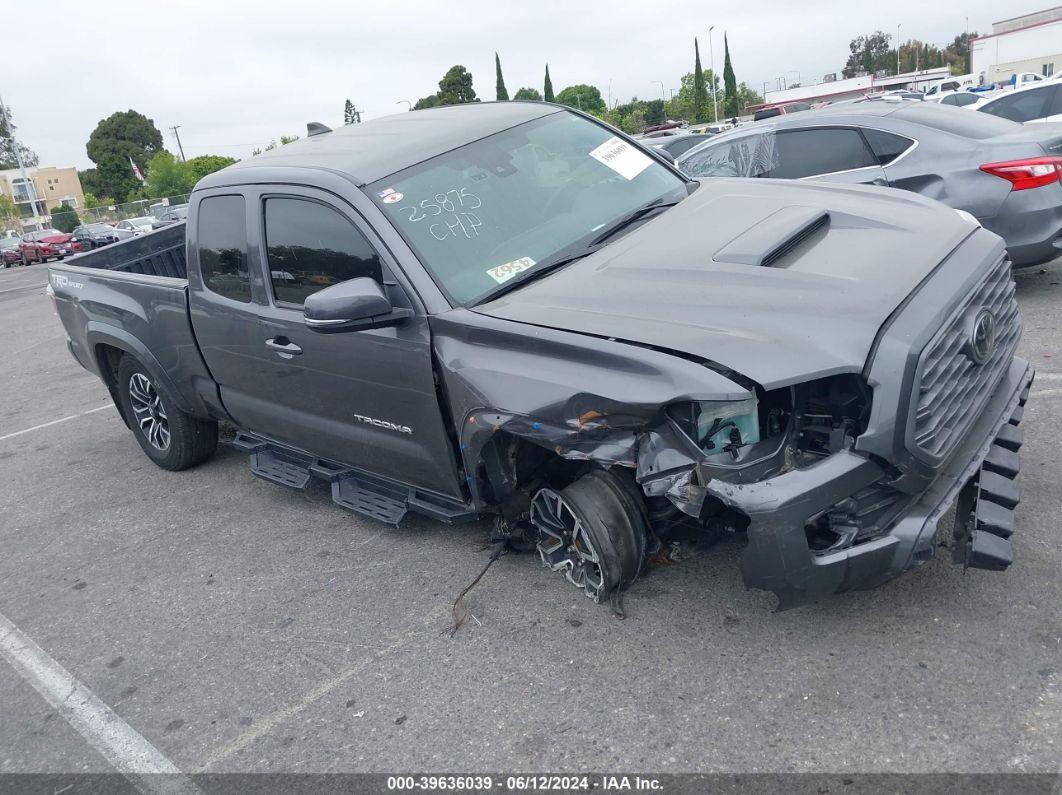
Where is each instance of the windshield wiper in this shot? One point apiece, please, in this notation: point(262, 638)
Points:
point(630, 218)
point(542, 269)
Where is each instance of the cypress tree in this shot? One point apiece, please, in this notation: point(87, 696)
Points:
point(700, 92)
point(547, 89)
point(501, 93)
point(729, 83)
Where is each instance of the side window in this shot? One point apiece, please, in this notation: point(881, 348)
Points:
point(807, 153)
point(724, 159)
point(887, 146)
point(223, 247)
point(1022, 106)
point(1056, 103)
point(310, 246)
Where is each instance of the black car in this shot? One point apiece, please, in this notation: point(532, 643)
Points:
point(676, 145)
point(96, 235)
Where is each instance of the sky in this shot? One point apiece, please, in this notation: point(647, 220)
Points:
point(235, 75)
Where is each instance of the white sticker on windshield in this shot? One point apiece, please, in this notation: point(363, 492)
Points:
point(502, 273)
point(621, 157)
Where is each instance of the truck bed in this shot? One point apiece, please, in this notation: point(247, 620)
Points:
point(158, 253)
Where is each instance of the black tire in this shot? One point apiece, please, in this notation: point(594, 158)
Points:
point(171, 438)
point(601, 508)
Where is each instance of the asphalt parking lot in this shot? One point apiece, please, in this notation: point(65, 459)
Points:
point(238, 626)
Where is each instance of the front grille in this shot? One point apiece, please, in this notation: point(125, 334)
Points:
point(951, 387)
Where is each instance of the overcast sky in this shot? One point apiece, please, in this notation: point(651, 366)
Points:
point(236, 74)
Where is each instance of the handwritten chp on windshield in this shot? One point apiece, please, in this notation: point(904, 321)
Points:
point(450, 215)
point(621, 157)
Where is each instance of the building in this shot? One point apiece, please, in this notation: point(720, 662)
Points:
point(1030, 43)
point(53, 187)
point(832, 90)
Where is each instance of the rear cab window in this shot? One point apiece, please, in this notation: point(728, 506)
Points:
point(222, 246)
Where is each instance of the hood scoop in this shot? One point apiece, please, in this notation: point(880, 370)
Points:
point(773, 237)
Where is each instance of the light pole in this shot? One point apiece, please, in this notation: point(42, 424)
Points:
point(711, 65)
point(27, 184)
point(409, 105)
point(663, 97)
point(898, 47)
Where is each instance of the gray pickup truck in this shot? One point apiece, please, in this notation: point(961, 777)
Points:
point(511, 310)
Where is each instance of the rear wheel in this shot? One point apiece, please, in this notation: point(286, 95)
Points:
point(171, 438)
point(593, 531)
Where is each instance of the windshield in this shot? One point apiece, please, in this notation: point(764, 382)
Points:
point(141, 221)
point(483, 213)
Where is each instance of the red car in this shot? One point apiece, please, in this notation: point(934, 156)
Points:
point(45, 245)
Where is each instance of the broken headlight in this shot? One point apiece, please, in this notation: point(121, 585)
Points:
point(719, 427)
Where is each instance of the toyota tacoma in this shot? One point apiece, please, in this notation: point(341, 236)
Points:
point(512, 310)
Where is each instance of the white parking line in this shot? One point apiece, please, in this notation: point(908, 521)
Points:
point(55, 422)
point(1049, 376)
point(119, 743)
point(1046, 393)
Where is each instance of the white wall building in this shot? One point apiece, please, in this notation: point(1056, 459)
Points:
point(1030, 43)
point(855, 87)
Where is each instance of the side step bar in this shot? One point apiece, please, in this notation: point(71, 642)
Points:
point(369, 495)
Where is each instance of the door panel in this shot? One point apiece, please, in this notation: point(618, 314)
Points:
point(364, 398)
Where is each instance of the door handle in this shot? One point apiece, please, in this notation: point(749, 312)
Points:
point(283, 346)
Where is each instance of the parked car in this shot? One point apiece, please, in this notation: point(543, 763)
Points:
point(780, 110)
point(9, 251)
point(45, 245)
point(1039, 102)
point(676, 145)
point(172, 215)
point(140, 225)
point(421, 312)
point(89, 236)
point(960, 99)
point(1004, 174)
point(951, 85)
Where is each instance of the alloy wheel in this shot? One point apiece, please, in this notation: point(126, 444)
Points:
point(565, 544)
point(149, 412)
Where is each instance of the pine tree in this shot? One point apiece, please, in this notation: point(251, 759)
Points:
point(700, 93)
point(547, 88)
point(729, 83)
point(501, 94)
point(348, 113)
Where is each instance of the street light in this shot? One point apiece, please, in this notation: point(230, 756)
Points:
point(663, 97)
point(409, 105)
point(898, 47)
point(711, 65)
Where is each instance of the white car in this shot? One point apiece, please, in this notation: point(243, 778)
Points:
point(1036, 102)
point(138, 226)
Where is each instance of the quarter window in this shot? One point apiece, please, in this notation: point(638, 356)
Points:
point(807, 153)
point(310, 246)
point(888, 146)
point(223, 247)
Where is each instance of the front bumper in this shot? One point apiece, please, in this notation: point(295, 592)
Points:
point(778, 557)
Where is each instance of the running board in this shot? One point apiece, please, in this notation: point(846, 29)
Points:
point(369, 495)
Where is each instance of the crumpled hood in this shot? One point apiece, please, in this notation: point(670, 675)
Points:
point(683, 280)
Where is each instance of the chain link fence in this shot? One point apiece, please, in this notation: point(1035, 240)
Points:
point(112, 214)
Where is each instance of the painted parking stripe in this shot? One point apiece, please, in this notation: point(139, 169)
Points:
point(120, 744)
point(55, 422)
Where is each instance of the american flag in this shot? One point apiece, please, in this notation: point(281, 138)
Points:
point(136, 171)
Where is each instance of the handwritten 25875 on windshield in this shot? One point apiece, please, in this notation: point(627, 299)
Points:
point(450, 214)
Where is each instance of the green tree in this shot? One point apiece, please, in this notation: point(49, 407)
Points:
point(729, 83)
point(499, 89)
point(547, 87)
point(200, 166)
point(8, 213)
point(92, 201)
point(700, 92)
point(528, 94)
point(455, 88)
point(869, 54)
point(90, 181)
point(167, 176)
point(7, 144)
point(431, 101)
point(119, 138)
point(585, 98)
point(745, 96)
point(64, 218)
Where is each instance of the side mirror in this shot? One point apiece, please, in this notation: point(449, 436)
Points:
point(355, 304)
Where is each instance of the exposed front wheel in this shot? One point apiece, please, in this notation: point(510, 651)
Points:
point(593, 532)
point(170, 437)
